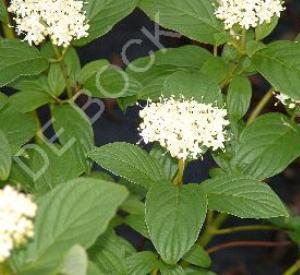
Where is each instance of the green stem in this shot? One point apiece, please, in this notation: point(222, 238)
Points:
point(178, 181)
point(233, 72)
point(208, 233)
point(155, 271)
point(244, 228)
point(293, 269)
point(60, 59)
point(294, 116)
point(260, 106)
point(215, 50)
point(8, 31)
point(5, 270)
point(244, 41)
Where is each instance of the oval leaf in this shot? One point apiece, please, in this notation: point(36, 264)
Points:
point(192, 85)
point(19, 59)
point(81, 209)
point(193, 18)
point(239, 97)
point(278, 63)
point(103, 15)
point(74, 131)
point(265, 149)
point(130, 162)
point(243, 197)
point(184, 209)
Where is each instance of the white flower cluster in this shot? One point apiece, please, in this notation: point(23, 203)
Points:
point(186, 128)
point(62, 20)
point(287, 101)
point(247, 13)
point(16, 226)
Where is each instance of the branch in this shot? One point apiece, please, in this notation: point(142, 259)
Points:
point(247, 243)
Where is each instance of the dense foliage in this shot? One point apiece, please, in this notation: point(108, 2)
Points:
point(197, 102)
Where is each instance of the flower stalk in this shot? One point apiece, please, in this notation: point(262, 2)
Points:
point(60, 58)
point(178, 181)
point(293, 269)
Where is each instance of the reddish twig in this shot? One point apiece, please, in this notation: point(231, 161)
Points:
point(247, 243)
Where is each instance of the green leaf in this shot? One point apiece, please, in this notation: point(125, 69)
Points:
point(267, 146)
point(111, 82)
point(133, 205)
point(137, 223)
point(102, 15)
point(93, 269)
point(5, 157)
point(166, 269)
point(56, 79)
point(74, 130)
point(90, 70)
point(29, 101)
point(162, 64)
point(3, 100)
point(19, 128)
point(252, 47)
point(45, 167)
point(278, 63)
point(198, 256)
point(130, 162)
point(81, 209)
point(166, 62)
point(263, 30)
point(243, 197)
point(73, 65)
point(3, 13)
point(32, 84)
point(193, 270)
point(142, 263)
point(192, 85)
point(19, 59)
point(109, 253)
point(239, 97)
point(101, 175)
point(192, 18)
point(75, 262)
point(216, 69)
point(185, 210)
point(169, 164)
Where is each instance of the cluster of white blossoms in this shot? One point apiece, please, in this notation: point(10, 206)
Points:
point(185, 127)
point(287, 101)
point(62, 20)
point(16, 226)
point(247, 13)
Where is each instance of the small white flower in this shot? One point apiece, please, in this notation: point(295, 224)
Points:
point(62, 20)
point(247, 13)
point(287, 101)
point(185, 127)
point(16, 226)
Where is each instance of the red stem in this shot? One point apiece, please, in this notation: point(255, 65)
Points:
point(247, 243)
